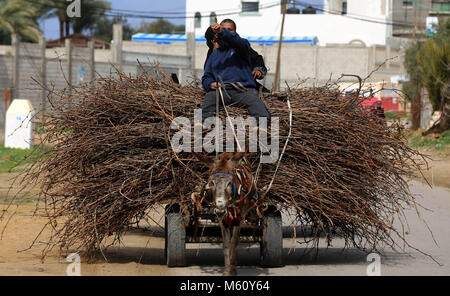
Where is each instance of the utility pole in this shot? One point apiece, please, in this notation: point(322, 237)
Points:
point(415, 22)
point(276, 83)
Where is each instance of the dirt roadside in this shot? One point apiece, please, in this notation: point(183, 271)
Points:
point(439, 167)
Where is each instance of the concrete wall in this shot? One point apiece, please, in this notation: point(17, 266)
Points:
point(299, 61)
point(318, 64)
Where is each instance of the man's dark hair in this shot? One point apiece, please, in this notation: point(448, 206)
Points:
point(229, 21)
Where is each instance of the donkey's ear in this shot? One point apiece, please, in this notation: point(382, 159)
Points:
point(236, 158)
point(207, 160)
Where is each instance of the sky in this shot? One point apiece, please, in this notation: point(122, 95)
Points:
point(51, 26)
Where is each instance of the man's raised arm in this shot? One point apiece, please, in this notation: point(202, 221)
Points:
point(239, 44)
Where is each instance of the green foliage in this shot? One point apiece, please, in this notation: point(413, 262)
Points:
point(427, 64)
point(393, 115)
point(412, 87)
point(91, 12)
point(103, 28)
point(161, 26)
point(19, 17)
point(441, 143)
point(433, 60)
point(11, 157)
point(13, 160)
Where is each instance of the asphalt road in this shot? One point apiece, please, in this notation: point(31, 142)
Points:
point(147, 249)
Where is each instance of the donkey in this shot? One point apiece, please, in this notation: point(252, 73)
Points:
point(232, 192)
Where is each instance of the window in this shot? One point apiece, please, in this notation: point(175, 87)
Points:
point(250, 6)
point(445, 6)
point(441, 7)
point(344, 7)
point(212, 17)
point(407, 3)
point(198, 20)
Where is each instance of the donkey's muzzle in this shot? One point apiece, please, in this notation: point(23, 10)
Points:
point(220, 207)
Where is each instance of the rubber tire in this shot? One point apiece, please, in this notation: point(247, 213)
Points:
point(175, 244)
point(272, 240)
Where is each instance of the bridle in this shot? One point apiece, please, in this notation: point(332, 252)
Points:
point(234, 183)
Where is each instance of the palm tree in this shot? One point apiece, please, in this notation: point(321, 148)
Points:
point(17, 17)
point(91, 10)
point(434, 65)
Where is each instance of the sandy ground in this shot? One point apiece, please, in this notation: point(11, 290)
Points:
point(439, 171)
point(142, 250)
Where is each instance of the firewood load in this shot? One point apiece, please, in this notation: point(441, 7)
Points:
point(107, 158)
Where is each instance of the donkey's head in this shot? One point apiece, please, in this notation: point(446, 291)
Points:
point(221, 182)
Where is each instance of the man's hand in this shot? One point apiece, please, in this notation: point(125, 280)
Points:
point(216, 27)
point(256, 74)
point(215, 85)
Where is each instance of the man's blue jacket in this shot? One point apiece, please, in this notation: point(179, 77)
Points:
point(231, 64)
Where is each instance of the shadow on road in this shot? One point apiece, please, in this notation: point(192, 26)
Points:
point(209, 257)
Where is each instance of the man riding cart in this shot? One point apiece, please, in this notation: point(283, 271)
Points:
point(230, 66)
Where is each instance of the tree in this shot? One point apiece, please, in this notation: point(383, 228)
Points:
point(413, 87)
point(161, 26)
point(434, 65)
point(103, 28)
point(91, 12)
point(19, 18)
point(428, 64)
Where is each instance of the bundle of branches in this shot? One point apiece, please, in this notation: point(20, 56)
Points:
point(108, 159)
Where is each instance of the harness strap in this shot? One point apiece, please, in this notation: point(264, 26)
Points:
point(220, 173)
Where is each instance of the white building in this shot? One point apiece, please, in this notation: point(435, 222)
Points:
point(336, 21)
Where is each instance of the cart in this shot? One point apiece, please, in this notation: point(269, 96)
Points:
point(203, 227)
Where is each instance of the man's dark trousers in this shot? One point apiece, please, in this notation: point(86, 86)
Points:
point(248, 99)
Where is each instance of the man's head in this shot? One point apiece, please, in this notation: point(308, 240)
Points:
point(225, 24)
point(229, 25)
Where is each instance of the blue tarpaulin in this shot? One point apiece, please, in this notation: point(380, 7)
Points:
point(262, 40)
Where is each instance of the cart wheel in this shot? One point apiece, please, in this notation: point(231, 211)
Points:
point(272, 240)
point(175, 243)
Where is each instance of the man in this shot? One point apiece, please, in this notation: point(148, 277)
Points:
point(258, 66)
point(229, 66)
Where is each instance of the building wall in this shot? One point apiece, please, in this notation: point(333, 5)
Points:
point(329, 28)
point(412, 15)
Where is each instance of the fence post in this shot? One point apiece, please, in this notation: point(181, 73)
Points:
point(91, 48)
point(388, 56)
point(117, 45)
point(190, 51)
point(372, 59)
point(42, 45)
point(15, 67)
point(68, 46)
point(190, 48)
point(316, 62)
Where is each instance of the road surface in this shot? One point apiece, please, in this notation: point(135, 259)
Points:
point(142, 252)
